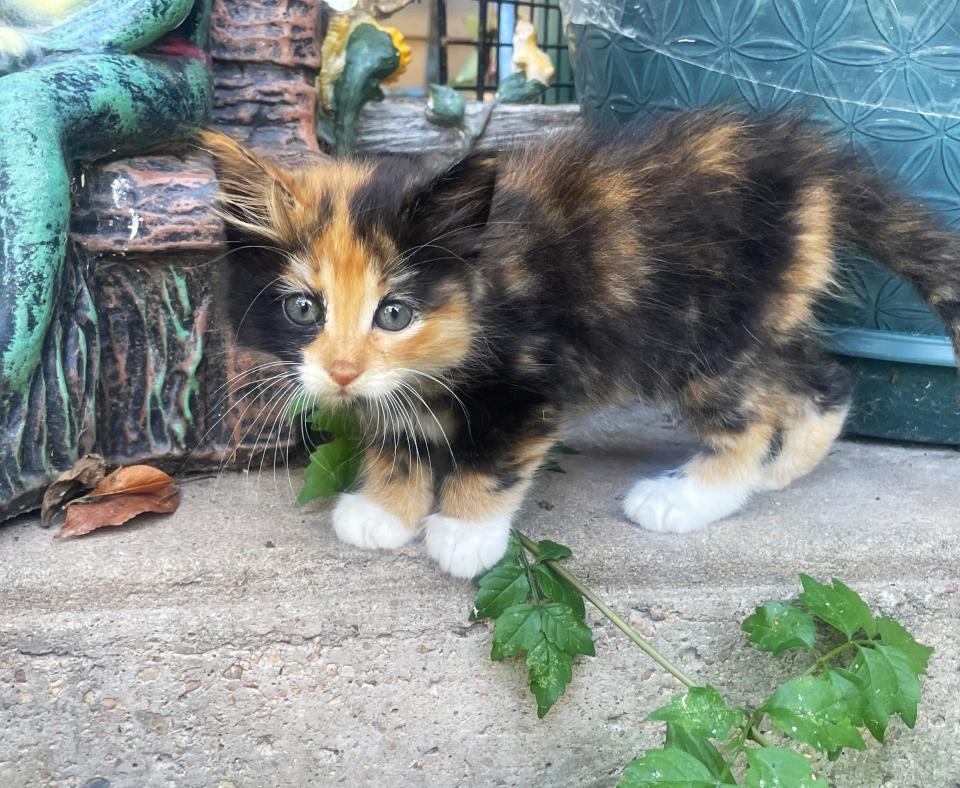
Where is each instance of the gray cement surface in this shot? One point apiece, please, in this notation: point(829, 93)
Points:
point(237, 643)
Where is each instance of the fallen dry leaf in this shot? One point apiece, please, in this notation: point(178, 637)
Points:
point(133, 479)
point(122, 495)
point(76, 480)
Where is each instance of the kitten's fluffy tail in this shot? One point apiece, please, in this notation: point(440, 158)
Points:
point(904, 236)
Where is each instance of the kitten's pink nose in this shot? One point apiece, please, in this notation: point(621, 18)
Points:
point(343, 372)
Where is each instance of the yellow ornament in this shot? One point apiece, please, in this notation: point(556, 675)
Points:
point(527, 56)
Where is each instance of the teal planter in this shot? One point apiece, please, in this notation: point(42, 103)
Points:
point(885, 74)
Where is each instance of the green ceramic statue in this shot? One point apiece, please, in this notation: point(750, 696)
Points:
point(107, 77)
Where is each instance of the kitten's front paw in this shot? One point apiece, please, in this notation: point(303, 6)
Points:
point(359, 521)
point(679, 504)
point(465, 548)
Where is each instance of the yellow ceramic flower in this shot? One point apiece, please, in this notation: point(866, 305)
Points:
point(403, 50)
point(334, 54)
point(527, 56)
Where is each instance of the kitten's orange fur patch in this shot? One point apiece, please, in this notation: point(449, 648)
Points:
point(404, 491)
point(811, 271)
point(715, 152)
point(807, 438)
point(736, 457)
point(475, 496)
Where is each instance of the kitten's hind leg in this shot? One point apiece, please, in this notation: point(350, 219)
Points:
point(711, 486)
point(395, 493)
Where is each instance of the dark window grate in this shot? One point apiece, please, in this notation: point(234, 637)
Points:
point(491, 53)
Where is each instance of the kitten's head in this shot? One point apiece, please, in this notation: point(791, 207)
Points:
point(358, 274)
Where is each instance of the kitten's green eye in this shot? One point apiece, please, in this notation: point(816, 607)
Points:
point(302, 310)
point(393, 316)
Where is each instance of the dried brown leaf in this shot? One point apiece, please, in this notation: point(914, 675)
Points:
point(76, 480)
point(133, 479)
point(116, 509)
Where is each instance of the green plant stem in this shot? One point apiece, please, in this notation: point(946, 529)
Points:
point(618, 622)
point(822, 662)
point(530, 578)
point(624, 627)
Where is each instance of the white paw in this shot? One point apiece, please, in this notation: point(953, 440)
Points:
point(678, 504)
point(359, 521)
point(465, 548)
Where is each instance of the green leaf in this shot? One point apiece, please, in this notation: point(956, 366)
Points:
point(517, 89)
point(777, 627)
point(551, 551)
point(850, 689)
point(559, 590)
point(909, 686)
point(563, 448)
point(445, 105)
point(551, 633)
point(698, 746)
point(503, 586)
point(669, 768)
point(340, 423)
point(333, 465)
point(839, 606)
point(893, 634)
point(810, 710)
point(332, 469)
point(774, 767)
point(550, 672)
point(562, 628)
point(700, 710)
point(519, 628)
point(889, 685)
point(552, 466)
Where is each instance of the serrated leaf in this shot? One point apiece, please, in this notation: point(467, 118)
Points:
point(332, 469)
point(700, 710)
point(909, 686)
point(839, 606)
point(696, 745)
point(503, 586)
point(550, 673)
point(810, 710)
point(559, 590)
point(775, 767)
point(519, 628)
point(333, 465)
point(889, 685)
point(669, 768)
point(562, 629)
point(850, 689)
point(777, 627)
point(892, 633)
point(335, 422)
point(551, 551)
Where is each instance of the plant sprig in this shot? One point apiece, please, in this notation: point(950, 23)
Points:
point(867, 671)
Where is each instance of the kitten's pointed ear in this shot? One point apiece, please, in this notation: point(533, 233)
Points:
point(458, 199)
point(256, 197)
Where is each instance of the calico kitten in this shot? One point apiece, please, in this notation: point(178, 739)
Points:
point(465, 314)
